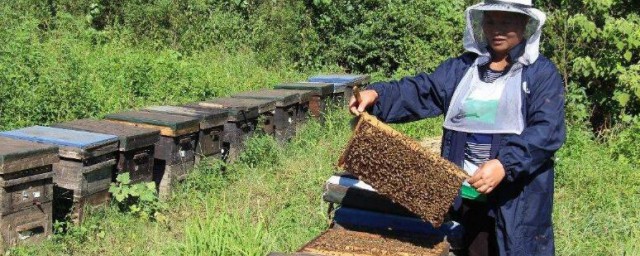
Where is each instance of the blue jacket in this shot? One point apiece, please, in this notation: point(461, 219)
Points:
point(523, 202)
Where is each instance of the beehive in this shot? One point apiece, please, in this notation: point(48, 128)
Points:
point(321, 95)
point(135, 148)
point(285, 115)
point(26, 190)
point(211, 127)
point(83, 174)
point(342, 242)
point(174, 152)
point(399, 168)
point(349, 192)
point(343, 84)
point(241, 123)
point(302, 113)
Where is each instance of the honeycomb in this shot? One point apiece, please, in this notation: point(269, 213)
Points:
point(339, 242)
point(399, 168)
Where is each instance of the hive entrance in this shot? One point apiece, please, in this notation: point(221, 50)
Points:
point(399, 168)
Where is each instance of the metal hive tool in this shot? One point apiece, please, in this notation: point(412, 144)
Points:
point(399, 168)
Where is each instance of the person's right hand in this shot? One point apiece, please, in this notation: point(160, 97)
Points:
point(367, 99)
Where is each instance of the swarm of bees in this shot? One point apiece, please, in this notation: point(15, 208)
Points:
point(399, 168)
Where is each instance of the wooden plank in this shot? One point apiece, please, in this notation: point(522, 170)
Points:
point(321, 89)
point(207, 119)
point(17, 155)
point(219, 116)
point(168, 124)
point(282, 98)
point(305, 95)
point(164, 131)
point(263, 105)
point(130, 137)
point(70, 143)
point(238, 110)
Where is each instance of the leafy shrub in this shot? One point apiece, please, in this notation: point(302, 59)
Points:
point(140, 199)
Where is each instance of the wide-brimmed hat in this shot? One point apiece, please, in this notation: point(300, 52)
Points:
point(474, 40)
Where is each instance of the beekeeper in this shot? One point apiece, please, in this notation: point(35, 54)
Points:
point(504, 119)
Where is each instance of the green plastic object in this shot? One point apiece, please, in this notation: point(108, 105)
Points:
point(471, 193)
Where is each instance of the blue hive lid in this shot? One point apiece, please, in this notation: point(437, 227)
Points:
point(73, 144)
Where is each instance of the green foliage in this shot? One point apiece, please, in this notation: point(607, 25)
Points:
point(261, 150)
point(596, 45)
point(140, 199)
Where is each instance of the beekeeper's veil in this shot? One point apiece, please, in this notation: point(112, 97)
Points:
point(475, 41)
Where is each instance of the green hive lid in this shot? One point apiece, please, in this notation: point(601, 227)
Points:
point(131, 137)
point(169, 124)
point(17, 155)
point(282, 98)
point(208, 119)
point(322, 89)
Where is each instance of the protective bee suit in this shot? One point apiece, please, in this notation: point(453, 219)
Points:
point(526, 126)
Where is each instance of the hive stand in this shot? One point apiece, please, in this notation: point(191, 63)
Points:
point(285, 116)
point(26, 178)
point(241, 123)
point(211, 127)
point(343, 84)
point(83, 174)
point(174, 152)
point(320, 97)
point(135, 148)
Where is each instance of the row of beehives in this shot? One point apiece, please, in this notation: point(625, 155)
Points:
point(54, 172)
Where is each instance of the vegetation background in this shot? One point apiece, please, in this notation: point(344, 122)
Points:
point(69, 59)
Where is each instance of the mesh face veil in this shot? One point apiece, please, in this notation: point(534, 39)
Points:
point(475, 41)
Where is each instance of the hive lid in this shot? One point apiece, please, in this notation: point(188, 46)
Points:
point(130, 137)
point(71, 144)
point(170, 125)
point(282, 98)
point(208, 119)
point(321, 89)
point(233, 104)
point(305, 95)
point(17, 155)
point(341, 81)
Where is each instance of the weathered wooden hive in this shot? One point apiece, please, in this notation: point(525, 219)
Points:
point(26, 178)
point(174, 152)
point(241, 123)
point(135, 148)
point(211, 127)
point(305, 97)
point(83, 174)
point(285, 115)
point(320, 97)
point(410, 175)
point(343, 84)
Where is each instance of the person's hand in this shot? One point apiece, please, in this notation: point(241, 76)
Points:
point(488, 176)
point(367, 98)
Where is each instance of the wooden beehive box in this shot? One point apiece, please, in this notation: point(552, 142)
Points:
point(409, 174)
point(211, 127)
point(83, 174)
point(285, 115)
point(321, 95)
point(174, 152)
point(343, 84)
point(241, 123)
point(26, 178)
point(342, 242)
point(302, 113)
point(135, 147)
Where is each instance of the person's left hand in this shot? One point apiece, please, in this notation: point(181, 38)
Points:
point(488, 176)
